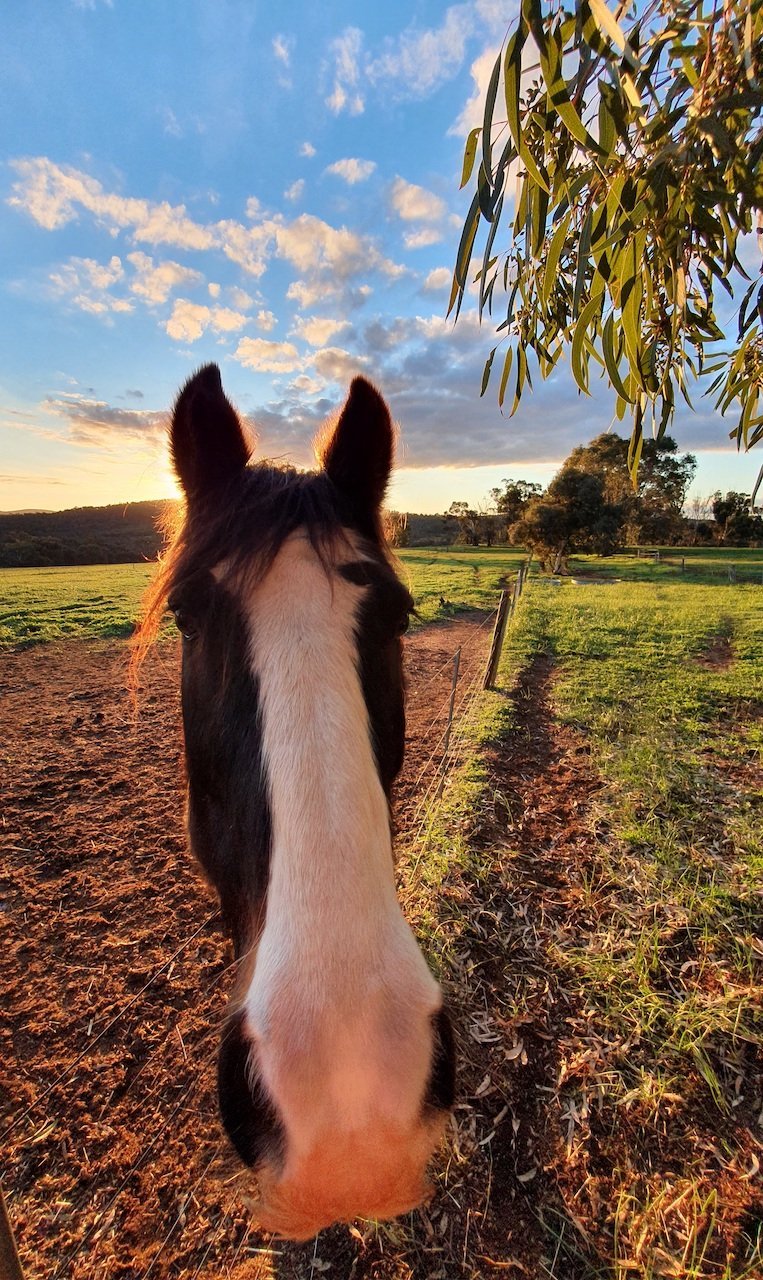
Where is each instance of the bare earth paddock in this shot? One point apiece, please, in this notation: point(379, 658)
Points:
point(561, 1165)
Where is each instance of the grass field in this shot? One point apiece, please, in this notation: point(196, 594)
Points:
point(91, 601)
point(102, 601)
point(650, 943)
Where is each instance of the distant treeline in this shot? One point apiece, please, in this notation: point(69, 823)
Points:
point(125, 534)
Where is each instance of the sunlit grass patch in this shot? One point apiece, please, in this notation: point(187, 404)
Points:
point(652, 943)
point(102, 601)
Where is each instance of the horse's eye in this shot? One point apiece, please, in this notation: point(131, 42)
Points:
point(404, 624)
point(185, 624)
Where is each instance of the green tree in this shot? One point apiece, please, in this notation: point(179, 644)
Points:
point(652, 511)
point(473, 527)
point(572, 515)
point(636, 155)
point(737, 524)
point(511, 497)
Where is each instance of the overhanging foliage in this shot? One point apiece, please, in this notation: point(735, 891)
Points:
point(634, 154)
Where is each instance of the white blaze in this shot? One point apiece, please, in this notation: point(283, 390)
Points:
point(340, 998)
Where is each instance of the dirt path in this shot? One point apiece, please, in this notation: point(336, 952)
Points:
point(112, 949)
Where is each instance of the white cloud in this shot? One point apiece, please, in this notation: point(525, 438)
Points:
point(95, 275)
point(294, 192)
point(328, 256)
point(336, 365)
point(422, 239)
point(307, 385)
point(267, 357)
point(248, 247)
point(253, 208)
point(415, 204)
point(86, 284)
point(473, 112)
point(94, 422)
point(417, 62)
point(225, 320)
point(352, 170)
point(437, 280)
point(304, 294)
point(51, 194)
point(308, 150)
point(239, 298)
point(346, 95)
point(170, 124)
point(213, 289)
point(153, 283)
point(318, 330)
point(189, 320)
point(265, 321)
point(282, 47)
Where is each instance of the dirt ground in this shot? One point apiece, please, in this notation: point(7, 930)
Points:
point(114, 969)
point(116, 977)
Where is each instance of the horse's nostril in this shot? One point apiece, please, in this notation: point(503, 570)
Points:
point(249, 1117)
point(441, 1086)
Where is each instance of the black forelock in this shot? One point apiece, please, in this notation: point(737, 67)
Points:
point(246, 521)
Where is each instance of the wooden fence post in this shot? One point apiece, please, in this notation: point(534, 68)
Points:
point(451, 705)
point(10, 1264)
point(499, 632)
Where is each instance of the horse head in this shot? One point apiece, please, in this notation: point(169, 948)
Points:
point(335, 1070)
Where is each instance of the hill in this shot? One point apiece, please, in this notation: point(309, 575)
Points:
point(121, 534)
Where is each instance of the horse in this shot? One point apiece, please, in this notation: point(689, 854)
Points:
point(336, 1067)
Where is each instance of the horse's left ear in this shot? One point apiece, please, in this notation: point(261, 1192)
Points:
point(208, 444)
point(358, 454)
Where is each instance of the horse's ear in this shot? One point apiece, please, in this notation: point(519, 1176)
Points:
point(208, 444)
point(358, 453)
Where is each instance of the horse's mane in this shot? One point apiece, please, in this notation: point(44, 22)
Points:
point(243, 524)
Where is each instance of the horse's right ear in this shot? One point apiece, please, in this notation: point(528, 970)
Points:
point(208, 443)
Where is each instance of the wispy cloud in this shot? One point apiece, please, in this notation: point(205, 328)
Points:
point(153, 282)
point(421, 59)
point(326, 257)
point(86, 284)
point(266, 356)
point(318, 330)
point(345, 54)
point(189, 320)
point(295, 191)
point(282, 48)
point(352, 170)
point(94, 422)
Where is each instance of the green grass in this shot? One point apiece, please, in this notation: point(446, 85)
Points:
point(100, 601)
point(701, 564)
point(94, 601)
point(87, 602)
point(461, 577)
point(660, 950)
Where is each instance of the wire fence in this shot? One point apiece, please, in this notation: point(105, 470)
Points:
point(153, 1107)
point(689, 566)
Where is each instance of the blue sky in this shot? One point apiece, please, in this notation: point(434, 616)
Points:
point(274, 188)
